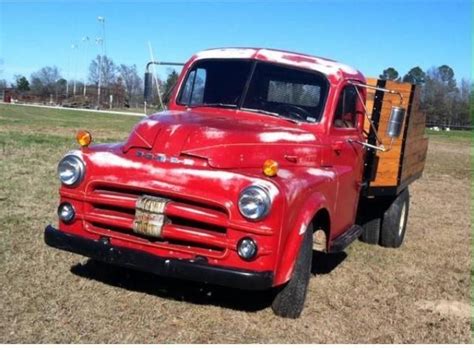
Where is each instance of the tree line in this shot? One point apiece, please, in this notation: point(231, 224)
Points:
point(443, 98)
point(119, 80)
point(445, 101)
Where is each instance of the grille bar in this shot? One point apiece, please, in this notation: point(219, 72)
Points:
point(176, 209)
point(187, 247)
point(170, 231)
point(195, 227)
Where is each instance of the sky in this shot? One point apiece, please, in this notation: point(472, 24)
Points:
point(369, 35)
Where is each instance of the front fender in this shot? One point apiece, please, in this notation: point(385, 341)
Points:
point(290, 248)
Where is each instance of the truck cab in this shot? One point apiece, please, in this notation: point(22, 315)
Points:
point(261, 157)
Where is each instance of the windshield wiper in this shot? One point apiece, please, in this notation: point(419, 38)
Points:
point(217, 104)
point(273, 114)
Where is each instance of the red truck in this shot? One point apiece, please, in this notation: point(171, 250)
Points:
point(262, 157)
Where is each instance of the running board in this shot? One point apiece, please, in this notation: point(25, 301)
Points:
point(343, 241)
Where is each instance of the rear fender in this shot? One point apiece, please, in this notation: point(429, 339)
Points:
point(291, 246)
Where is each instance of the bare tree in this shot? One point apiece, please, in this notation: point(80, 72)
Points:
point(44, 81)
point(107, 72)
point(131, 81)
point(440, 96)
point(462, 105)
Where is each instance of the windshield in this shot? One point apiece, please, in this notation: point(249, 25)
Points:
point(256, 86)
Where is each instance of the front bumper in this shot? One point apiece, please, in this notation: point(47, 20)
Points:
point(194, 270)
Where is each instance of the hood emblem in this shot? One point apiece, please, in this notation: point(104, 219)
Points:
point(163, 158)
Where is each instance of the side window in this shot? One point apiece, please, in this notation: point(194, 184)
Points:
point(186, 94)
point(193, 91)
point(346, 110)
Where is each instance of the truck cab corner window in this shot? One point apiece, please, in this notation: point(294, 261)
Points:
point(345, 116)
point(193, 91)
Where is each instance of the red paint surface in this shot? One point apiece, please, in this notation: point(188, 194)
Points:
point(212, 154)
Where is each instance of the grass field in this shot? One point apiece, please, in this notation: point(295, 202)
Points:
point(419, 293)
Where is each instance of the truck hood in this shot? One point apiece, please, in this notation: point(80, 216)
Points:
point(224, 141)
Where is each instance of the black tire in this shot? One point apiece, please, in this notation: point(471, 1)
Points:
point(371, 231)
point(370, 219)
point(289, 301)
point(394, 221)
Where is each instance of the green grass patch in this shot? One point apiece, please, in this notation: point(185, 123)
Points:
point(29, 140)
point(453, 135)
point(41, 118)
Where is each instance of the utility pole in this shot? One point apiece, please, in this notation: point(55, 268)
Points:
point(100, 41)
point(101, 19)
point(99, 71)
point(68, 74)
point(85, 40)
point(74, 47)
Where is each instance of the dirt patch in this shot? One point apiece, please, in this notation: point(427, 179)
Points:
point(447, 308)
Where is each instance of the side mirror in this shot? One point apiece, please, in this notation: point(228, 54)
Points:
point(148, 89)
point(395, 123)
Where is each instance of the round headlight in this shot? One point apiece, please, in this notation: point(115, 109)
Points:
point(247, 248)
point(66, 212)
point(254, 203)
point(71, 170)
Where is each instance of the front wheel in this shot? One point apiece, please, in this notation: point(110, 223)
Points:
point(394, 221)
point(289, 301)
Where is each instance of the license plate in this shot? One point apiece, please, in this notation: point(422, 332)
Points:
point(149, 216)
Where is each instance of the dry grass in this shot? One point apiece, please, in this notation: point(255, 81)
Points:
point(417, 294)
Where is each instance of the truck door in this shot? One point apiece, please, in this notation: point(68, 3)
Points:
point(347, 156)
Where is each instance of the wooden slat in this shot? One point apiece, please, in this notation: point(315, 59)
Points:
point(414, 159)
point(408, 153)
point(389, 162)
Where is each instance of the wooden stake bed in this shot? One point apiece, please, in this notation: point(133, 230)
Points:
point(388, 173)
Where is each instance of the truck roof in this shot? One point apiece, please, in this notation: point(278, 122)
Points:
point(334, 70)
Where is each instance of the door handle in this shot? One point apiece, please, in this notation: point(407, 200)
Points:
point(337, 146)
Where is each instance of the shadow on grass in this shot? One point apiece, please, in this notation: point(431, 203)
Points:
point(324, 263)
point(193, 292)
point(181, 290)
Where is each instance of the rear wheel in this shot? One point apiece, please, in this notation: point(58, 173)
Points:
point(394, 221)
point(289, 301)
point(371, 231)
point(370, 219)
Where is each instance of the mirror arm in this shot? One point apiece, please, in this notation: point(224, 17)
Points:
point(373, 87)
point(368, 145)
point(372, 126)
point(162, 64)
point(370, 121)
point(147, 70)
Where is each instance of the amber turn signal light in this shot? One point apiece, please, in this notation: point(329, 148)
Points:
point(84, 138)
point(270, 167)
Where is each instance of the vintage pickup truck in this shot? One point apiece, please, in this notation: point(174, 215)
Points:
point(261, 157)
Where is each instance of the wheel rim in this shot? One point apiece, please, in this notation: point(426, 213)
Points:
point(402, 219)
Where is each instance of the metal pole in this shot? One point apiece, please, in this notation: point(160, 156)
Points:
point(73, 47)
point(373, 87)
point(100, 78)
point(86, 46)
point(163, 64)
point(155, 77)
point(102, 20)
point(68, 72)
point(101, 42)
